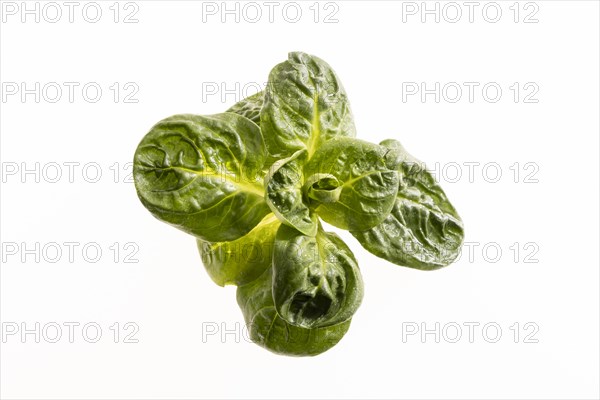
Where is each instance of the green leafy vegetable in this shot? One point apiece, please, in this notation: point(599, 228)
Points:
point(316, 280)
point(251, 183)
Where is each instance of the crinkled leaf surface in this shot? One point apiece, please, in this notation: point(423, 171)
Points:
point(242, 260)
point(202, 174)
point(267, 329)
point(368, 184)
point(304, 106)
point(316, 280)
point(423, 231)
point(250, 107)
point(283, 185)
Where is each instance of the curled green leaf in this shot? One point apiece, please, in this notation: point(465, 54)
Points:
point(267, 329)
point(323, 188)
point(203, 174)
point(316, 280)
point(423, 230)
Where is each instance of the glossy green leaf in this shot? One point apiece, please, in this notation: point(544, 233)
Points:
point(242, 260)
point(316, 280)
point(304, 106)
point(267, 329)
point(250, 107)
point(203, 174)
point(283, 185)
point(423, 230)
point(368, 185)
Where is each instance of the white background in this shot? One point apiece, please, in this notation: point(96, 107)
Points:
point(172, 55)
